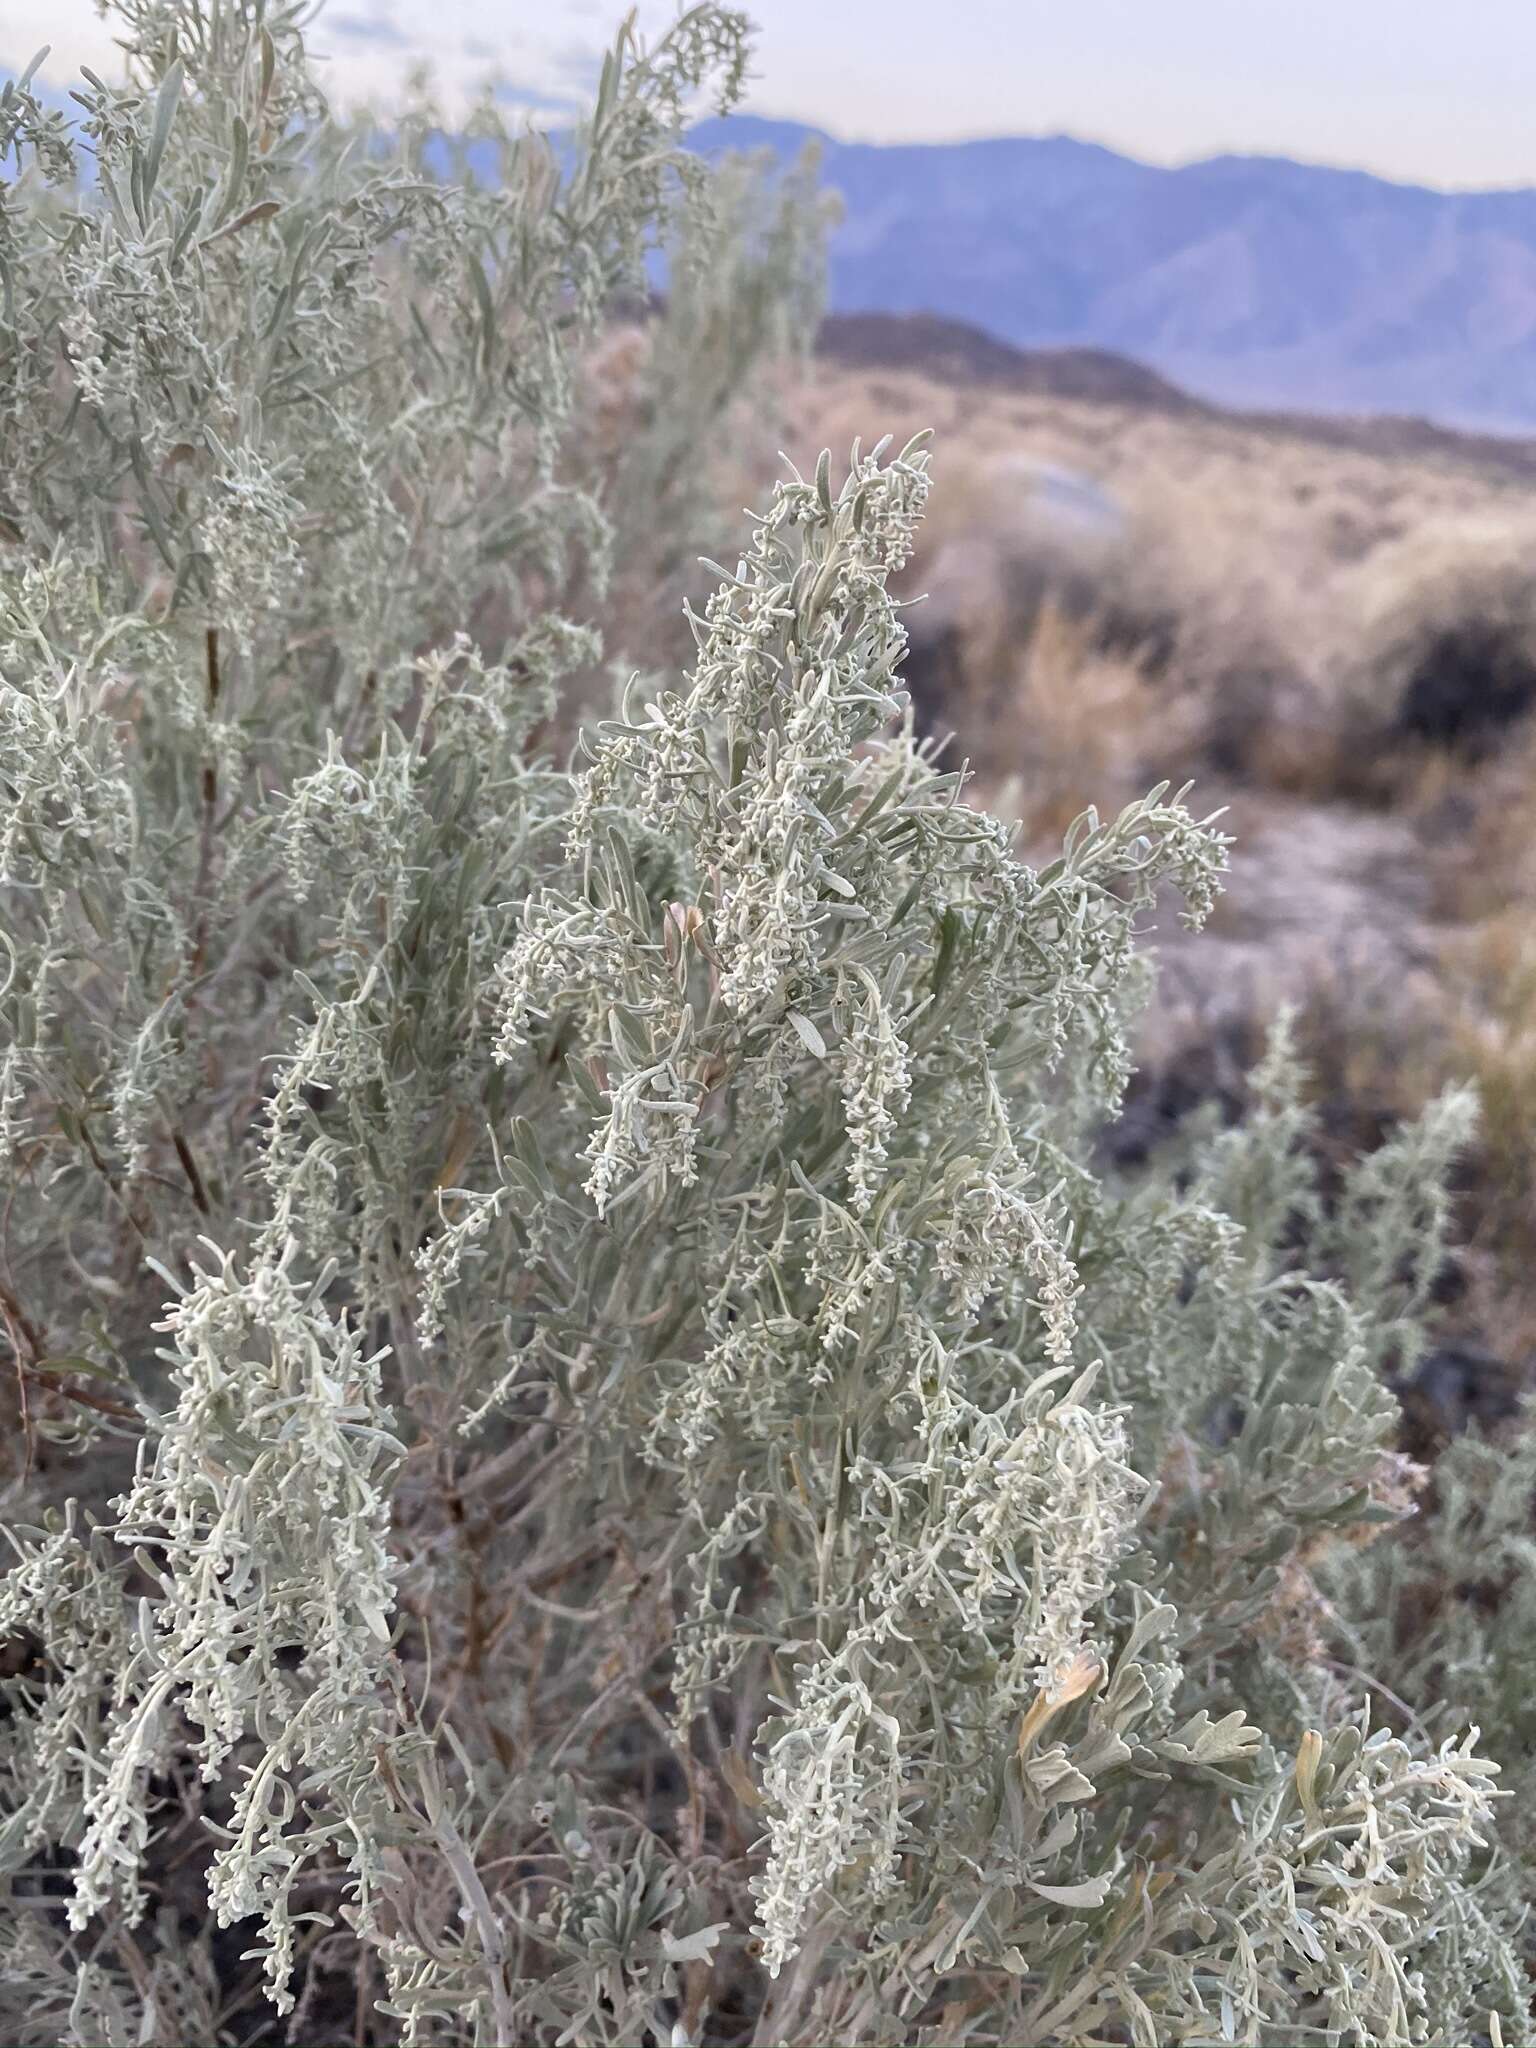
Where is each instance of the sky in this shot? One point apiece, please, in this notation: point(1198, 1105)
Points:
point(1439, 92)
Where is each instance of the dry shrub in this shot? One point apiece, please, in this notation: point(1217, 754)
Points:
point(1079, 726)
point(1444, 653)
point(1245, 569)
point(1027, 642)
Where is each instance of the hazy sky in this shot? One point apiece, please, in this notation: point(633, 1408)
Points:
point(1434, 91)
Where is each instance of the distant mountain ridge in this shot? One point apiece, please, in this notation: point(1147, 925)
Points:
point(1250, 281)
point(958, 352)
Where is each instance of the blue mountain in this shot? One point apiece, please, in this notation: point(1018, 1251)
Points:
point(1252, 281)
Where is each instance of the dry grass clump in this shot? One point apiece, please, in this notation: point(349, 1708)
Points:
point(1078, 725)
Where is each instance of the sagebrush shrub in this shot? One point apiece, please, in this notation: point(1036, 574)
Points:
point(595, 1459)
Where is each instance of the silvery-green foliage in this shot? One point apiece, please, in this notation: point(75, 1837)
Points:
point(596, 1459)
point(1450, 1614)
